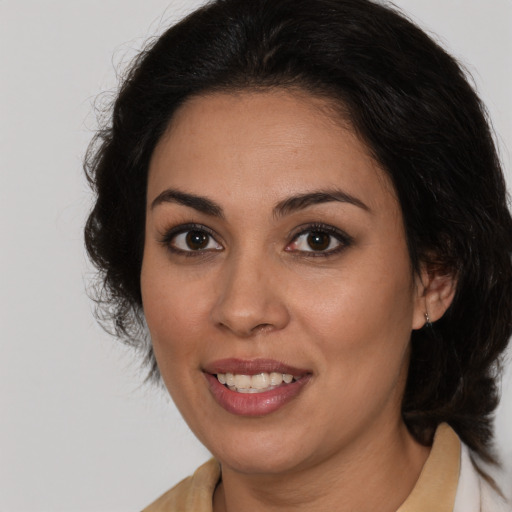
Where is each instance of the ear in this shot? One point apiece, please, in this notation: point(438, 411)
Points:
point(435, 289)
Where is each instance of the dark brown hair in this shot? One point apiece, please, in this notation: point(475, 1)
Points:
point(411, 104)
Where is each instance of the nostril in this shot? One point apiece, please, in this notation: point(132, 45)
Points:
point(262, 328)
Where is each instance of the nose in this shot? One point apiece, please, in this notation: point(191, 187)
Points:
point(250, 298)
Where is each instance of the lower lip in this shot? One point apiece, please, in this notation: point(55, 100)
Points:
point(254, 404)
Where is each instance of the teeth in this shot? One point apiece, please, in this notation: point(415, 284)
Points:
point(260, 381)
point(230, 379)
point(243, 381)
point(276, 379)
point(254, 383)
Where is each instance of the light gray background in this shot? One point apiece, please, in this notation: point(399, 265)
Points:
point(78, 432)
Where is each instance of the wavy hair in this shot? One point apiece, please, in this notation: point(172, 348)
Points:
point(411, 104)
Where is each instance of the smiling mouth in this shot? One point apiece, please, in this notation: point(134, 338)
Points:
point(259, 383)
point(254, 387)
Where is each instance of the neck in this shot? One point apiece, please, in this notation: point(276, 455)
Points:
point(377, 473)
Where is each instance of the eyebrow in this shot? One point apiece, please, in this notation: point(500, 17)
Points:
point(285, 207)
point(302, 201)
point(199, 203)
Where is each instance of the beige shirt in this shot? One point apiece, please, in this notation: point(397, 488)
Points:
point(448, 483)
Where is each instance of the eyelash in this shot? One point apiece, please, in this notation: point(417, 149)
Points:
point(171, 234)
point(343, 238)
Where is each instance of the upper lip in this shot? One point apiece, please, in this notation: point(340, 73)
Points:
point(252, 367)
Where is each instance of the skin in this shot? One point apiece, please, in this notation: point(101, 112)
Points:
point(258, 290)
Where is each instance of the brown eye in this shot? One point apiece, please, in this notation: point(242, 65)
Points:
point(318, 241)
point(197, 240)
point(192, 240)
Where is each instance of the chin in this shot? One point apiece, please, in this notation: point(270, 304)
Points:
point(260, 463)
point(260, 453)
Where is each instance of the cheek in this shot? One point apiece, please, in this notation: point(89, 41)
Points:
point(173, 320)
point(361, 321)
point(358, 298)
point(174, 310)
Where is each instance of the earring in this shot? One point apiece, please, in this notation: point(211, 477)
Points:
point(428, 323)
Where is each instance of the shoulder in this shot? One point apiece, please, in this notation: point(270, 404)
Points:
point(474, 493)
point(193, 494)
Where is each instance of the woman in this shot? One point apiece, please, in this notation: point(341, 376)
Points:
point(301, 201)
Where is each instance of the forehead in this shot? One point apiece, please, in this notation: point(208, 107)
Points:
point(267, 144)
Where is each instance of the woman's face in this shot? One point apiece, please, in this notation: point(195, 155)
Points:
point(275, 248)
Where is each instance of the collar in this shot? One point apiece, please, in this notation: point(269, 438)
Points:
point(437, 485)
